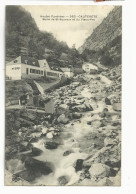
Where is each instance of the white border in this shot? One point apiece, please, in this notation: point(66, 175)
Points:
point(129, 103)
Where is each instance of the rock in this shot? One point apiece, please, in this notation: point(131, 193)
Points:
point(25, 175)
point(44, 130)
point(36, 151)
point(76, 115)
point(105, 182)
point(117, 106)
point(89, 122)
point(109, 141)
point(99, 170)
point(63, 180)
point(66, 153)
point(82, 108)
point(93, 71)
point(107, 101)
point(37, 166)
point(49, 135)
point(96, 123)
point(88, 106)
point(64, 106)
point(45, 123)
point(51, 145)
point(63, 119)
point(114, 163)
point(78, 165)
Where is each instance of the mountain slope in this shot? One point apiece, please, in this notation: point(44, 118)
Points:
point(104, 44)
point(22, 33)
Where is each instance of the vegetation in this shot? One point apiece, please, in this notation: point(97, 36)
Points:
point(24, 37)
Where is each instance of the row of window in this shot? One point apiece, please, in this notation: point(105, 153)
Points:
point(53, 74)
point(15, 68)
point(35, 71)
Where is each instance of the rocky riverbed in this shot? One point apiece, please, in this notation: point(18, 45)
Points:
point(79, 145)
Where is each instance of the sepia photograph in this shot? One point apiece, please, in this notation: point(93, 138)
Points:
point(63, 92)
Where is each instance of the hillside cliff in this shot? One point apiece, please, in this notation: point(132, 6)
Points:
point(104, 44)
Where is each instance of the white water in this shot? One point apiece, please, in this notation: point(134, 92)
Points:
point(64, 165)
point(72, 132)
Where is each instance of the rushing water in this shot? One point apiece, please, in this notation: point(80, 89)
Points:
point(73, 132)
point(70, 136)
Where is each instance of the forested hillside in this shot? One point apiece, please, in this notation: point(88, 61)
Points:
point(23, 35)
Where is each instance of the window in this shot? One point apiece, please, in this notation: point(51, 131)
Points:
point(35, 71)
point(52, 74)
point(15, 68)
point(15, 61)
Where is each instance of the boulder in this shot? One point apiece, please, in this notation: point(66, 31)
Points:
point(107, 101)
point(66, 153)
point(89, 122)
point(63, 180)
point(25, 175)
point(109, 141)
point(82, 108)
point(76, 115)
point(49, 135)
point(62, 119)
point(64, 106)
point(36, 151)
point(44, 130)
point(93, 71)
point(99, 170)
point(51, 145)
point(105, 182)
point(37, 166)
point(117, 106)
point(78, 165)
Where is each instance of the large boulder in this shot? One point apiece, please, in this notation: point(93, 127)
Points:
point(51, 145)
point(34, 165)
point(50, 135)
point(107, 101)
point(99, 170)
point(76, 115)
point(63, 180)
point(78, 165)
point(36, 151)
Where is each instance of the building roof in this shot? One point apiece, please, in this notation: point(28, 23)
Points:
point(54, 68)
point(91, 65)
point(25, 60)
point(66, 69)
point(30, 61)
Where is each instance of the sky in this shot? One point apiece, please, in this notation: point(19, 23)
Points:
point(71, 32)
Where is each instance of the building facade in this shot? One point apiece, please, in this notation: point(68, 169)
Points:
point(87, 67)
point(68, 72)
point(25, 67)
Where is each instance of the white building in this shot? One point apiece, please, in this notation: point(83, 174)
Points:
point(68, 72)
point(25, 67)
point(88, 66)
